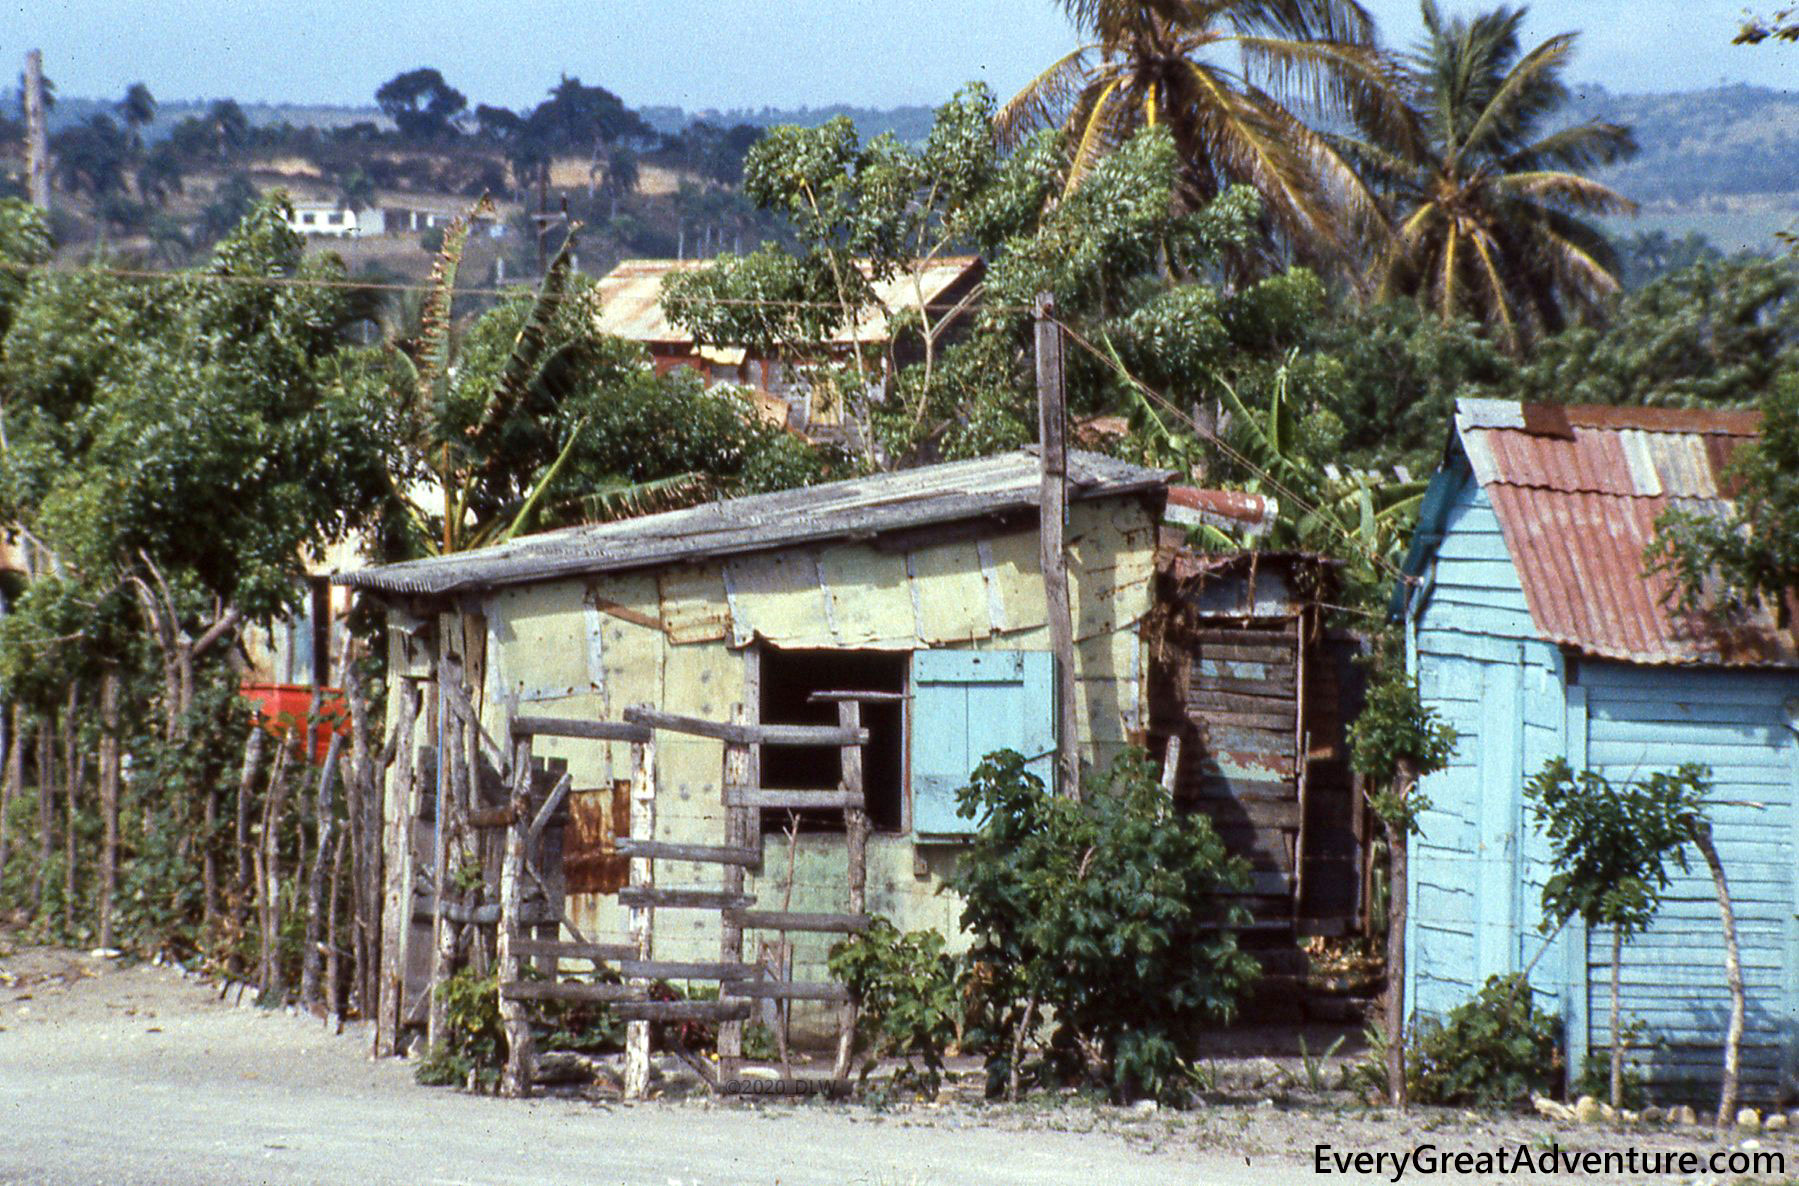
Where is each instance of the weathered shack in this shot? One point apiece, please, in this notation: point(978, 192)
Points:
point(920, 590)
point(1534, 630)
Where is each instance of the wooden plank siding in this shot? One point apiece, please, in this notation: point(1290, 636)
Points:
point(1480, 864)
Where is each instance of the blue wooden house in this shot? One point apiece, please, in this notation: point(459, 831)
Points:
point(1533, 629)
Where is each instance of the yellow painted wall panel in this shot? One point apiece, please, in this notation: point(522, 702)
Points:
point(694, 606)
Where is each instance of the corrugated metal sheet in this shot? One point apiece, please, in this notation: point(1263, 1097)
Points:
point(1577, 491)
point(631, 298)
point(859, 508)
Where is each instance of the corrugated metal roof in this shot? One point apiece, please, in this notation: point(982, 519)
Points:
point(1578, 490)
point(631, 298)
point(856, 508)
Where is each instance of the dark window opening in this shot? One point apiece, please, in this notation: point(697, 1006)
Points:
point(789, 678)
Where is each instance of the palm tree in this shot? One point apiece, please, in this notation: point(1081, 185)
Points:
point(1162, 62)
point(1487, 197)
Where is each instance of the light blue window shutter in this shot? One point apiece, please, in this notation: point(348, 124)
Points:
point(965, 705)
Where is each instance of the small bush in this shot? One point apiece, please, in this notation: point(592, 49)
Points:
point(907, 997)
point(1496, 1049)
point(474, 1049)
point(1103, 922)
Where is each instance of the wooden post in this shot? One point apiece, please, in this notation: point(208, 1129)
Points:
point(71, 787)
point(1397, 1092)
point(730, 933)
point(46, 811)
point(109, 800)
point(442, 934)
point(246, 793)
point(1052, 529)
point(324, 824)
point(37, 151)
point(520, 1049)
point(271, 985)
point(642, 918)
point(401, 807)
point(849, 716)
point(15, 778)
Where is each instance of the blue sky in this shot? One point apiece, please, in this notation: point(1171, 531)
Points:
point(726, 53)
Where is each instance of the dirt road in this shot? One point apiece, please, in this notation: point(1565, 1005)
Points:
point(138, 1075)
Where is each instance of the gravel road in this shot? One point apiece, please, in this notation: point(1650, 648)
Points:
point(114, 1074)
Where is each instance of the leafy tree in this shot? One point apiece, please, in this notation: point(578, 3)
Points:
point(161, 175)
point(231, 203)
point(138, 109)
point(584, 118)
point(1725, 563)
point(1650, 255)
point(1396, 741)
point(1160, 65)
point(1717, 334)
point(422, 105)
point(1102, 921)
point(92, 157)
point(1611, 846)
point(1487, 196)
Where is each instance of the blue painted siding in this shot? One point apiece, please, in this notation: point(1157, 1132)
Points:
point(1643, 719)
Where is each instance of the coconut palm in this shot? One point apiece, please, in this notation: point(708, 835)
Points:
point(1167, 62)
point(1487, 195)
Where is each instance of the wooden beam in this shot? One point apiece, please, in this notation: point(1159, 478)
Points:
point(859, 697)
point(587, 730)
point(550, 804)
point(543, 990)
point(739, 733)
point(706, 854)
point(682, 899)
point(794, 920)
point(1051, 537)
point(682, 1010)
point(784, 990)
point(801, 799)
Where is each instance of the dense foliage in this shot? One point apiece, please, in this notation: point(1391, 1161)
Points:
point(1494, 1050)
point(908, 1001)
point(1101, 944)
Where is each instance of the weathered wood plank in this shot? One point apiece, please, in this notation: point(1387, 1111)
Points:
point(712, 854)
point(530, 914)
point(683, 1010)
point(746, 734)
point(794, 920)
point(784, 990)
point(678, 970)
point(607, 952)
point(587, 730)
point(792, 799)
point(543, 990)
point(682, 899)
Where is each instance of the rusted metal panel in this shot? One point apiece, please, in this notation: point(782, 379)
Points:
point(1577, 498)
point(596, 819)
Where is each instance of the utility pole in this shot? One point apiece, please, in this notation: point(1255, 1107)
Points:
point(1052, 532)
point(37, 150)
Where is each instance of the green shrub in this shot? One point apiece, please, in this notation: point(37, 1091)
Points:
point(906, 991)
point(1496, 1049)
point(474, 1049)
point(1103, 922)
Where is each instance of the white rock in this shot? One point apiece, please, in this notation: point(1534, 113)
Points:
point(1683, 1115)
point(1586, 1110)
point(1776, 1122)
point(1749, 1119)
point(1552, 1109)
point(1145, 1107)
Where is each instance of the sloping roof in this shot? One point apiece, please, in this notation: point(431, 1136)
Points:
point(631, 298)
point(859, 508)
point(1577, 491)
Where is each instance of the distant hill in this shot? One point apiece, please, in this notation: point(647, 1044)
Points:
point(1723, 142)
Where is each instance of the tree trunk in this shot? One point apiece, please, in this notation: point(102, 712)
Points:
point(46, 811)
point(334, 978)
point(1617, 1084)
point(272, 984)
point(325, 817)
point(1395, 1000)
point(71, 772)
point(1733, 971)
point(364, 805)
point(246, 787)
point(14, 781)
point(109, 800)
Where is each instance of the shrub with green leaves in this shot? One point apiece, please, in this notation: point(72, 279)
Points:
point(907, 997)
point(474, 1049)
point(1100, 922)
point(1494, 1050)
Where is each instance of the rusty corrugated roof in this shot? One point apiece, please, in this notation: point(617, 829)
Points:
point(631, 298)
point(1577, 491)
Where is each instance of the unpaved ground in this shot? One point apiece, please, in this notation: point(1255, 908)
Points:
point(135, 1074)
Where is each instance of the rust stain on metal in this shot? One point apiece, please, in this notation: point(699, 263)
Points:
point(596, 818)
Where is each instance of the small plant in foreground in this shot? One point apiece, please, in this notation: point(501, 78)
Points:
point(1496, 1049)
point(906, 991)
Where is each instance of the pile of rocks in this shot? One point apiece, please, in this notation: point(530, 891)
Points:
point(1589, 1111)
